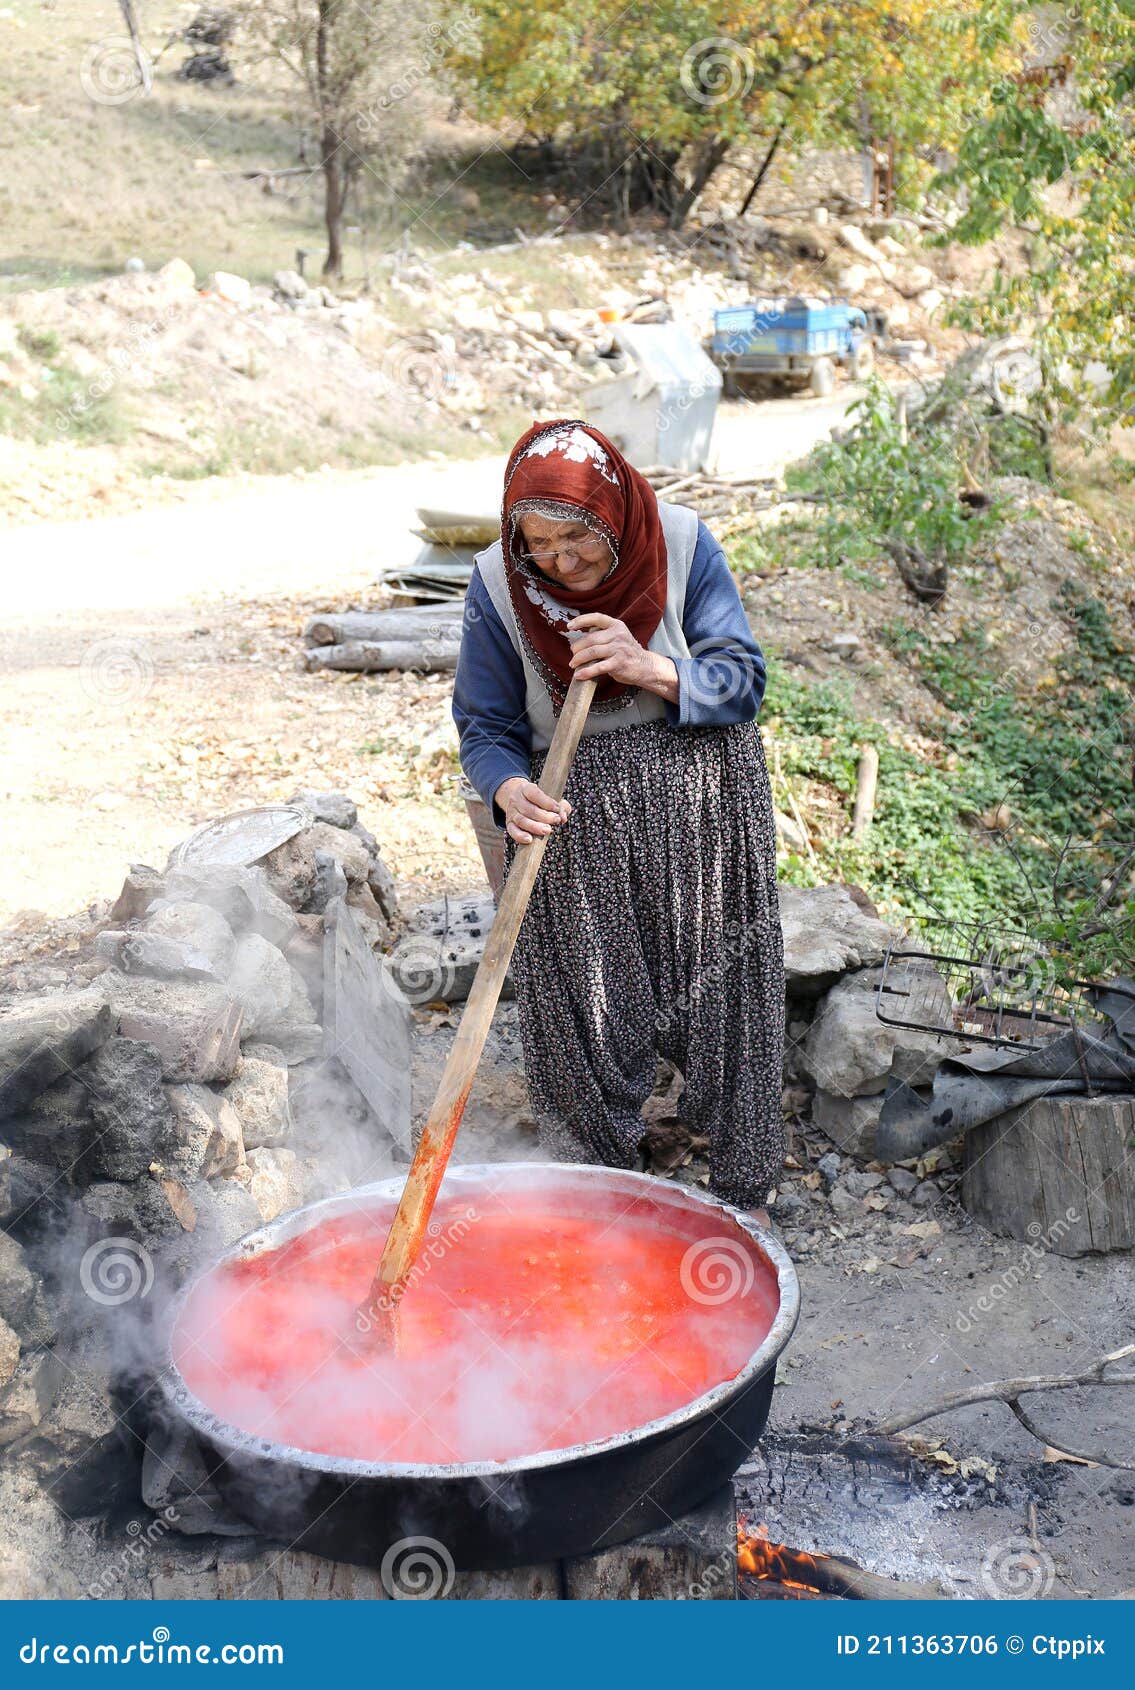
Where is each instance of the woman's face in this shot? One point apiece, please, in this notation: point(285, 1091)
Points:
point(581, 558)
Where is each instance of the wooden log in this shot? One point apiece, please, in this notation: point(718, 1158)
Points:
point(1056, 1174)
point(409, 622)
point(373, 656)
point(866, 782)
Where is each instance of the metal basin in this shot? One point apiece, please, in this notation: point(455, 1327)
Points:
point(535, 1508)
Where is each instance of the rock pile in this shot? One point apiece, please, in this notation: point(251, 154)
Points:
point(197, 1085)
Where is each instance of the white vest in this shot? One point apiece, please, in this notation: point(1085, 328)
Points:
point(680, 530)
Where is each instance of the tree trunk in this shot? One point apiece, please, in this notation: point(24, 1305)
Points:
point(1056, 1173)
point(714, 152)
point(331, 156)
point(766, 163)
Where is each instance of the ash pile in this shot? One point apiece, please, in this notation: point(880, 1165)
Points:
point(232, 1045)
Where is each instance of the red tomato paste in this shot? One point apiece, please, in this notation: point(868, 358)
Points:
point(524, 1329)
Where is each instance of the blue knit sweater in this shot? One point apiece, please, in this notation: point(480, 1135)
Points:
point(722, 681)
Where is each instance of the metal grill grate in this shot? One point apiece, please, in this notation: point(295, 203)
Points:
point(981, 984)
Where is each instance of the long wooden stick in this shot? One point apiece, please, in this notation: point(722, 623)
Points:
point(427, 1170)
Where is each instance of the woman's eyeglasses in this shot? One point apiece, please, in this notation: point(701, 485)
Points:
point(587, 549)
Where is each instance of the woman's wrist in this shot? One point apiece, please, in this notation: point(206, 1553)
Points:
point(661, 676)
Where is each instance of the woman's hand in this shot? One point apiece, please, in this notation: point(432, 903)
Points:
point(528, 812)
point(608, 647)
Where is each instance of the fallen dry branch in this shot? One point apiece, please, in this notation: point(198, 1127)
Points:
point(1009, 1391)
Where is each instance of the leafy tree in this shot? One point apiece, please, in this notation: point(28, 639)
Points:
point(660, 93)
point(1053, 157)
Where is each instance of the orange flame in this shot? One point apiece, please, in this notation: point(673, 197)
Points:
point(758, 1556)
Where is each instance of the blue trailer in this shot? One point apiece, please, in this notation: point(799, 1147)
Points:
point(791, 337)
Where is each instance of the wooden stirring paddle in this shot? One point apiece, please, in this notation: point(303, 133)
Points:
point(404, 1241)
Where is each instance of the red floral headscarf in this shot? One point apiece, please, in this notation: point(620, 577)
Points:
point(571, 471)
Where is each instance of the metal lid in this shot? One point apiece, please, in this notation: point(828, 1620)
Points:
point(242, 838)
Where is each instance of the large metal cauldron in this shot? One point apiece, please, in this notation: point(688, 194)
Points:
point(533, 1509)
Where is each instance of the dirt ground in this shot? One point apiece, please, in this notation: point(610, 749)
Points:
point(892, 1318)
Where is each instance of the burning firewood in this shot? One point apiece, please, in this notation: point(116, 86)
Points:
point(824, 1575)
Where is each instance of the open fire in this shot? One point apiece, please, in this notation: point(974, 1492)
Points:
point(792, 1569)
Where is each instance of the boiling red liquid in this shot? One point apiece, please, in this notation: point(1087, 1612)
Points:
point(524, 1330)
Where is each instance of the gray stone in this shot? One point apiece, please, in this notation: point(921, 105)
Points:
point(849, 1052)
point(41, 1039)
point(825, 934)
point(438, 955)
point(193, 1025)
point(828, 1167)
point(330, 882)
point(242, 895)
point(290, 870)
point(28, 1396)
point(859, 1182)
point(291, 1042)
point(381, 882)
point(140, 1210)
point(925, 1194)
point(261, 980)
point(153, 954)
point(844, 1203)
point(333, 808)
point(209, 1131)
point(226, 1212)
point(133, 1123)
point(367, 1022)
point(9, 1353)
point(789, 1203)
point(289, 284)
point(19, 1287)
point(139, 890)
point(368, 913)
point(850, 1122)
point(346, 848)
point(55, 1127)
point(274, 1181)
point(196, 926)
point(902, 1180)
point(259, 1094)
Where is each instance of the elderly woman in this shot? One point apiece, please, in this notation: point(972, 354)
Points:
point(653, 928)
